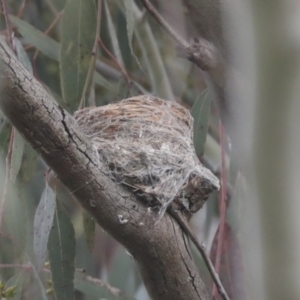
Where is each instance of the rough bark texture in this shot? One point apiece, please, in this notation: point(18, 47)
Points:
point(160, 250)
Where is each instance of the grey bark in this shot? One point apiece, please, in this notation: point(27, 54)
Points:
point(161, 250)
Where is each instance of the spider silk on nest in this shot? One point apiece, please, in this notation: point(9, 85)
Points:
point(146, 144)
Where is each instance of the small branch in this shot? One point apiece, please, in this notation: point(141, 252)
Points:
point(222, 205)
point(163, 23)
point(123, 71)
point(200, 51)
point(52, 7)
point(8, 24)
point(202, 251)
point(160, 251)
point(58, 16)
point(21, 9)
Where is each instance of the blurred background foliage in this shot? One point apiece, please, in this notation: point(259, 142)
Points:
point(134, 56)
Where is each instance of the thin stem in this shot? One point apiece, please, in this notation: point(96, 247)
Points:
point(202, 251)
point(21, 9)
point(222, 205)
point(163, 23)
point(52, 7)
point(123, 71)
point(8, 24)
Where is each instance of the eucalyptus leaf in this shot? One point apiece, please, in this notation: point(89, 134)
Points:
point(59, 4)
point(39, 281)
point(123, 89)
point(123, 264)
point(35, 37)
point(48, 46)
point(113, 35)
point(42, 225)
point(14, 217)
point(16, 156)
point(17, 280)
point(130, 19)
point(153, 59)
point(99, 79)
point(22, 55)
point(89, 226)
point(201, 112)
point(61, 249)
point(77, 41)
point(29, 163)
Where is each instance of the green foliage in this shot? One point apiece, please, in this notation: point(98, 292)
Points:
point(62, 58)
point(38, 279)
point(77, 41)
point(42, 225)
point(35, 37)
point(201, 112)
point(89, 226)
point(61, 248)
point(95, 288)
point(16, 158)
point(15, 219)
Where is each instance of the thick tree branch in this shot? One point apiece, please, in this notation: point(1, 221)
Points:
point(160, 250)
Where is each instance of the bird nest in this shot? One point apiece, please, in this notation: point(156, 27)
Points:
point(147, 145)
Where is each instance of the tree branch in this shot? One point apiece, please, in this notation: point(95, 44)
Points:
point(161, 250)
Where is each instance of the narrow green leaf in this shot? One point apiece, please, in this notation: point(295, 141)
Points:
point(22, 55)
point(93, 287)
point(35, 37)
point(16, 157)
point(113, 35)
point(155, 67)
point(17, 280)
point(99, 79)
point(14, 218)
point(42, 225)
point(39, 281)
point(29, 163)
point(123, 264)
point(58, 4)
point(89, 226)
point(123, 89)
point(48, 46)
point(77, 41)
point(130, 18)
point(61, 249)
point(201, 114)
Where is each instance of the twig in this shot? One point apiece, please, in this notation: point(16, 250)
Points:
point(222, 204)
point(11, 266)
point(199, 51)
point(36, 53)
point(8, 24)
point(52, 7)
point(28, 267)
point(202, 251)
point(161, 21)
point(122, 70)
point(93, 59)
point(58, 16)
point(21, 9)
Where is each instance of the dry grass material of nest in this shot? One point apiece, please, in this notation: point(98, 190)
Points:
point(147, 145)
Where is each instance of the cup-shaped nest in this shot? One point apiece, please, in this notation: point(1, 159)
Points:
point(146, 143)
